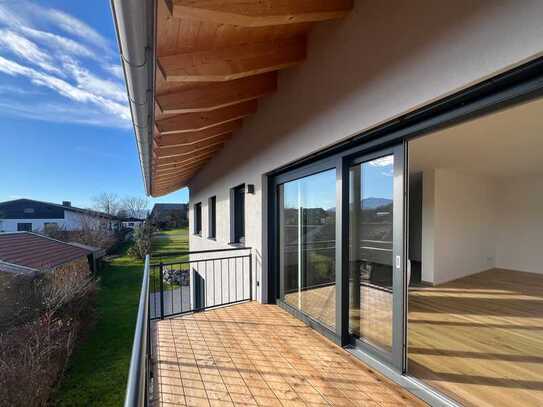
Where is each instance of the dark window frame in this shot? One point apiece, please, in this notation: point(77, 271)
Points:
point(197, 219)
point(212, 218)
point(237, 214)
point(21, 228)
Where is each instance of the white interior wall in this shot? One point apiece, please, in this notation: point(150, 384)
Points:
point(385, 59)
point(428, 221)
point(519, 238)
point(473, 223)
point(465, 224)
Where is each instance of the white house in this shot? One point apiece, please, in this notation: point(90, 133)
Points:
point(36, 216)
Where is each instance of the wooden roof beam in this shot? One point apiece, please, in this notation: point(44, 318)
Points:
point(190, 122)
point(182, 163)
point(240, 61)
point(189, 138)
point(260, 13)
point(191, 149)
point(177, 158)
point(217, 95)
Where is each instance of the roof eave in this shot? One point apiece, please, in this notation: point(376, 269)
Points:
point(134, 23)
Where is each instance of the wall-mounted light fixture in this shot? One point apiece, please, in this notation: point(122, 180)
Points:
point(251, 189)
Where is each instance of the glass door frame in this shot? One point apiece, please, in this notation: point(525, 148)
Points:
point(399, 287)
point(274, 264)
point(341, 162)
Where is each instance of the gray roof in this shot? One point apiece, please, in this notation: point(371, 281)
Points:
point(42, 210)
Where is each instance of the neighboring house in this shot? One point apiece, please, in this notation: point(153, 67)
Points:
point(169, 215)
point(36, 216)
point(31, 252)
point(132, 223)
point(390, 186)
point(24, 255)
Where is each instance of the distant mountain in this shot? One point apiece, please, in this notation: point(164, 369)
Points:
point(373, 203)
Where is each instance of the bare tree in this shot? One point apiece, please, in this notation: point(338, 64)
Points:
point(135, 206)
point(107, 202)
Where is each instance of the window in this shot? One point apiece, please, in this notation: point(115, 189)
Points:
point(24, 227)
point(198, 218)
point(212, 217)
point(28, 210)
point(237, 214)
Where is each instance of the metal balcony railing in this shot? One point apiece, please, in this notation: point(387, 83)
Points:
point(206, 279)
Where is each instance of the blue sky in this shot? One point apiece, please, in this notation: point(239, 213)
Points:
point(65, 129)
point(319, 190)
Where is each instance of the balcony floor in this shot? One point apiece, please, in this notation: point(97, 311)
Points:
point(254, 354)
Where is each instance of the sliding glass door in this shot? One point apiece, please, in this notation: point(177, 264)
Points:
point(307, 244)
point(375, 250)
point(339, 237)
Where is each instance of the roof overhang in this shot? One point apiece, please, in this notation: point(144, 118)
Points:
point(195, 69)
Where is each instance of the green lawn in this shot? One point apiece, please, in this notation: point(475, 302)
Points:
point(165, 242)
point(98, 370)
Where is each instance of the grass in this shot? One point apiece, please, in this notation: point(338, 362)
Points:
point(97, 372)
point(98, 369)
point(170, 241)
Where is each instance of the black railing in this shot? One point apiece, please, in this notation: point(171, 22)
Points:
point(180, 287)
point(200, 282)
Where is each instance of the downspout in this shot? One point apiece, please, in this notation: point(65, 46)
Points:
point(135, 26)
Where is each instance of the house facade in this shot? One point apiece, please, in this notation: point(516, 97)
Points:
point(36, 216)
point(388, 187)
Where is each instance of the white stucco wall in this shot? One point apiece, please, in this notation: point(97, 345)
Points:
point(386, 58)
point(10, 225)
point(72, 221)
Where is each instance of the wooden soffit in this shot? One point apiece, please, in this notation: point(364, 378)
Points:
point(214, 60)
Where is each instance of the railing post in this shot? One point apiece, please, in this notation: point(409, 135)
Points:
point(250, 274)
point(161, 284)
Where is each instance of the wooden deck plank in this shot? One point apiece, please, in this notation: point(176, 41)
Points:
point(254, 354)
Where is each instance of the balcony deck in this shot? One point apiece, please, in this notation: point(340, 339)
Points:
point(254, 354)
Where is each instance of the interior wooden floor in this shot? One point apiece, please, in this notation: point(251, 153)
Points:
point(479, 339)
point(252, 354)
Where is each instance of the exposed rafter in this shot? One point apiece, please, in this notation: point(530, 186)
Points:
point(169, 163)
point(189, 122)
point(260, 13)
point(217, 95)
point(187, 138)
point(231, 63)
point(213, 60)
point(190, 150)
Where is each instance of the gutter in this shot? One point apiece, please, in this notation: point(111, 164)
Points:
point(134, 22)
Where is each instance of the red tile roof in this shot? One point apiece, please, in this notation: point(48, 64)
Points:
point(36, 251)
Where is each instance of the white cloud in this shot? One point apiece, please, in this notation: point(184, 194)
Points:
point(64, 88)
point(60, 43)
point(75, 27)
point(58, 55)
point(62, 113)
point(92, 83)
point(383, 161)
point(115, 70)
point(27, 50)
